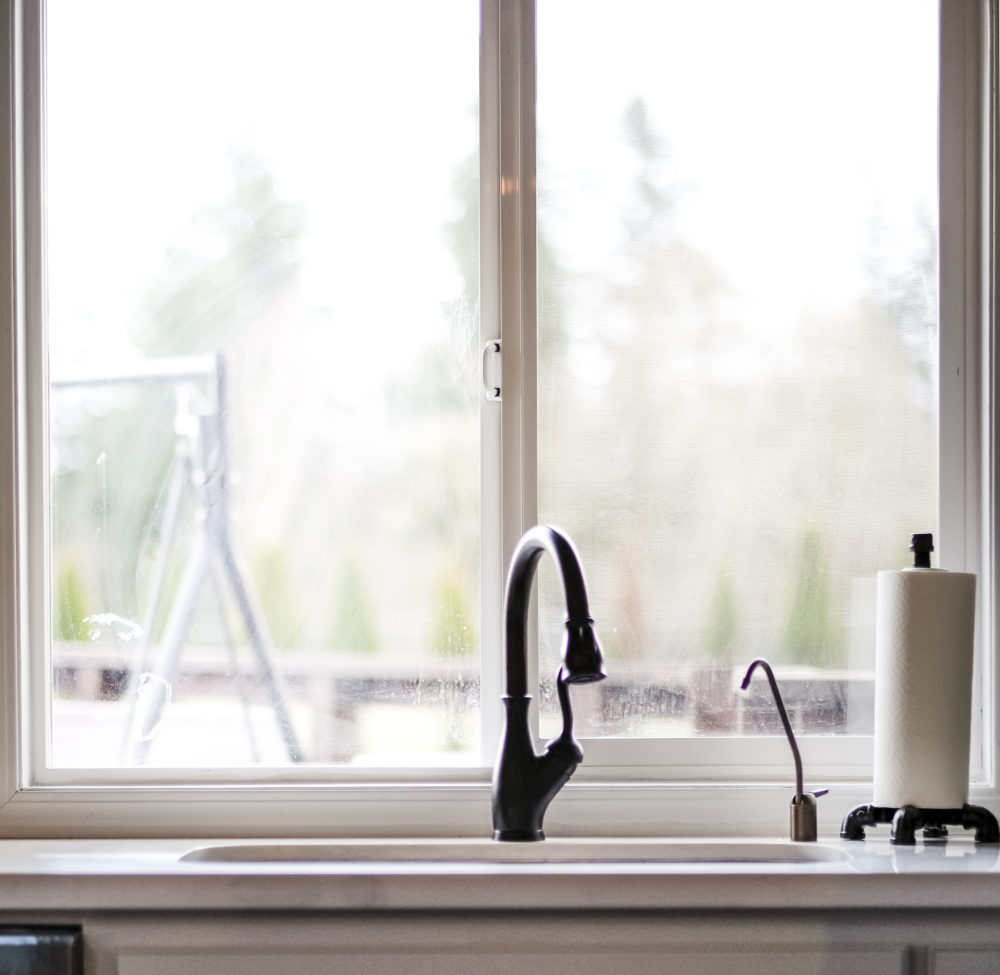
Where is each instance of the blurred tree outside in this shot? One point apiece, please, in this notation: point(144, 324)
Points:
point(71, 602)
point(106, 480)
point(230, 282)
point(271, 569)
point(344, 301)
point(354, 624)
point(653, 317)
point(665, 433)
point(239, 256)
point(699, 430)
point(722, 621)
point(454, 629)
point(812, 635)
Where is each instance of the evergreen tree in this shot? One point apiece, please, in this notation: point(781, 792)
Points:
point(453, 633)
point(70, 600)
point(811, 634)
point(722, 621)
point(235, 256)
point(354, 625)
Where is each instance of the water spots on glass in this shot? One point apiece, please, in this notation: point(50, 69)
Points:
point(103, 625)
point(154, 698)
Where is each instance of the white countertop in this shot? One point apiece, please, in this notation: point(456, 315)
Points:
point(146, 875)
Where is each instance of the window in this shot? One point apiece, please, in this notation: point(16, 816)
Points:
point(264, 458)
point(263, 504)
point(737, 317)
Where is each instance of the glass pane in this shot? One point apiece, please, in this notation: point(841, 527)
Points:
point(263, 312)
point(737, 307)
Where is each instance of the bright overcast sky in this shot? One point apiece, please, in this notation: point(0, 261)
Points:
point(795, 128)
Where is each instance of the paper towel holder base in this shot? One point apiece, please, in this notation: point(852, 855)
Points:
point(906, 820)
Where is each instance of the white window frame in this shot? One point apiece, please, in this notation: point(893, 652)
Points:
point(728, 786)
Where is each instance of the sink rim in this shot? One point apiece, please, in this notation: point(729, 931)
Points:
point(561, 850)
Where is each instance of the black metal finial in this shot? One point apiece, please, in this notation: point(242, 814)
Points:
point(921, 546)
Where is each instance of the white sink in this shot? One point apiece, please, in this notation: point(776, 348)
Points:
point(487, 851)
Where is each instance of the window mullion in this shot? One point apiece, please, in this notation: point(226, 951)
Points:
point(516, 300)
point(10, 484)
point(491, 467)
point(960, 117)
point(964, 530)
point(517, 271)
point(991, 315)
point(31, 398)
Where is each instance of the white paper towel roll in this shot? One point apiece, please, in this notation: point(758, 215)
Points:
point(925, 620)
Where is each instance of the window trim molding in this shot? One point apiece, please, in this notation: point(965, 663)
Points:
point(989, 316)
point(457, 803)
point(10, 490)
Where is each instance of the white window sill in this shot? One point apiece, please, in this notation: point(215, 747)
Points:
point(445, 809)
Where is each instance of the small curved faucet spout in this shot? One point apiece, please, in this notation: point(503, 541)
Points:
point(525, 783)
point(802, 820)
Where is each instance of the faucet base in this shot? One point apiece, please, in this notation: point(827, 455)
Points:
point(518, 835)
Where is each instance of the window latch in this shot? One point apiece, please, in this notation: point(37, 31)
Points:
point(492, 369)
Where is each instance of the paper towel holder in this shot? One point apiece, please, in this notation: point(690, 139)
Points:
point(906, 819)
point(802, 815)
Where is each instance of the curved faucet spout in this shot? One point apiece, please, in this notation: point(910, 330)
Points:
point(802, 817)
point(524, 783)
point(582, 661)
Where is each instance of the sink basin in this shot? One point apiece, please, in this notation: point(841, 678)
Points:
point(486, 851)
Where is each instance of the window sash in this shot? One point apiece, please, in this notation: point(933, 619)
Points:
point(623, 786)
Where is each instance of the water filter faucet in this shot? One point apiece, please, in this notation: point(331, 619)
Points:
point(802, 815)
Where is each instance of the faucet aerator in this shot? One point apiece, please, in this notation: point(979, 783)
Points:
point(585, 678)
point(583, 662)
